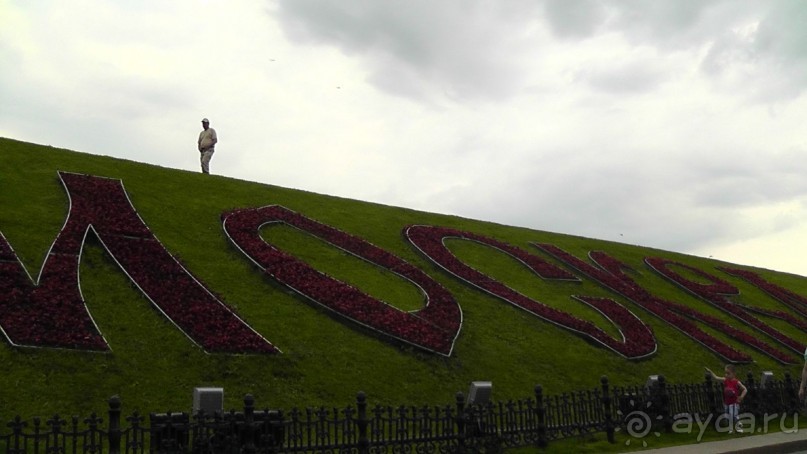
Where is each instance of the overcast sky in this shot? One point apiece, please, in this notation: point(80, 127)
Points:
point(675, 124)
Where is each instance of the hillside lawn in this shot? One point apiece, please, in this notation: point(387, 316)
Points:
point(325, 362)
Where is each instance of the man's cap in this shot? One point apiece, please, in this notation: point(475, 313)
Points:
point(205, 120)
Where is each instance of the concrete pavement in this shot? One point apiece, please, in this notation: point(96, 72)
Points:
point(772, 443)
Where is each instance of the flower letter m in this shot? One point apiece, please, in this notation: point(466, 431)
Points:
point(52, 312)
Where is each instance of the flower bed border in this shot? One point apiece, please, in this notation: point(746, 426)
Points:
point(433, 328)
point(430, 241)
point(103, 206)
point(680, 316)
point(716, 299)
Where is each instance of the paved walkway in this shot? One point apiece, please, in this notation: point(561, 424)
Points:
point(774, 443)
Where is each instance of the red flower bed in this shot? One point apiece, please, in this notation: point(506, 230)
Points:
point(714, 288)
point(53, 313)
point(610, 275)
point(637, 338)
point(793, 300)
point(434, 328)
point(714, 294)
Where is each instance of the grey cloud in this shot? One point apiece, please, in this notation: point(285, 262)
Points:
point(747, 178)
point(668, 25)
point(677, 24)
point(630, 77)
point(753, 46)
point(760, 46)
point(781, 46)
point(682, 203)
point(574, 19)
point(613, 203)
point(399, 79)
point(480, 50)
point(724, 53)
point(781, 32)
point(462, 49)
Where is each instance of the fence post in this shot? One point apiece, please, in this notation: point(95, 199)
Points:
point(248, 434)
point(606, 404)
point(541, 415)
point(664, 404)
point(797, 385)
point(16, 425)
point(361, 404)
point(710, 394)
point(114, 425)
point(791, 395)
point(460, 419)
point(753, 402)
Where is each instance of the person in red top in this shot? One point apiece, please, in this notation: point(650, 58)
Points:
point(733, 393)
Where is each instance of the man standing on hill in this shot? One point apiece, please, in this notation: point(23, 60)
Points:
point(207, 144)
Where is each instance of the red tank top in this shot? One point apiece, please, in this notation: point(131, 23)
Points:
point(731, 391)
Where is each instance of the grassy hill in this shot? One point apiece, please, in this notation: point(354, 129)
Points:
point(153, 366)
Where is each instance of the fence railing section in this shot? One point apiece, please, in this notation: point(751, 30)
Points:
point(453, 428)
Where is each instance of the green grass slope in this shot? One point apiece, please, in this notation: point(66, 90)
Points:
point(153, 366)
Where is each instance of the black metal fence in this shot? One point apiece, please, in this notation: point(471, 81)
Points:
point(453, 428)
